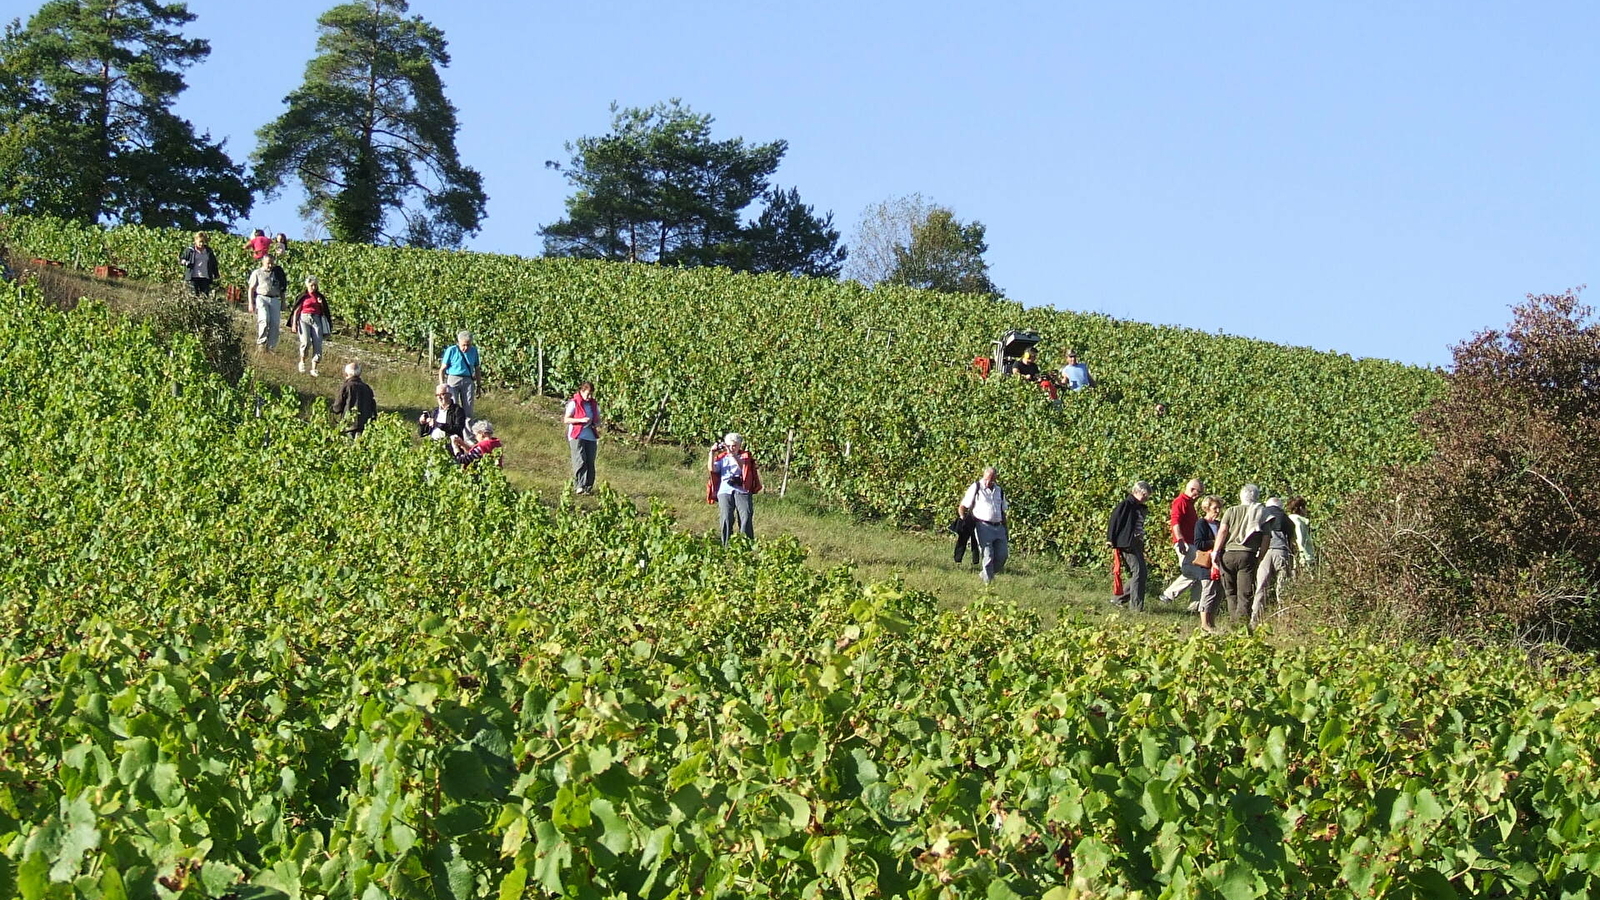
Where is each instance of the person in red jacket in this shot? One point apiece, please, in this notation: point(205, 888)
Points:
point(1180, 528)
point(732, 479)
point(312, 320)
point(582, 418)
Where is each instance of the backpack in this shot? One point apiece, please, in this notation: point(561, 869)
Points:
point(280, 281)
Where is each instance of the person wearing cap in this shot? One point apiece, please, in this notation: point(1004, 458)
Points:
point(1028, 366)
point(458, 370)
point(1074, 374)
point(732, 479)
point(312, 321)
point(446, 420)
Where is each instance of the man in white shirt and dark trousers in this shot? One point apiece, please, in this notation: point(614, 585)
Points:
point(986, 503)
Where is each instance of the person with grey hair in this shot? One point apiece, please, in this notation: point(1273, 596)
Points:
point(312, 320)
point(1239, 538)
point(732, 479)
point(265, 300)
point(1277, 555)
point(1125, 536)
point(985, 502)
point(485, 445)
point(355, 400)
point(459, 370)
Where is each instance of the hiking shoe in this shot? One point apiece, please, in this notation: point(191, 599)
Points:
point(314, 372)
point(302, 366)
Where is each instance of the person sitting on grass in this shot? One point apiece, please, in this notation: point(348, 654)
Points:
point(487, 446)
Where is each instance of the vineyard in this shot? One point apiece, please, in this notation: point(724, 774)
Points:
point(888, 418)
point(249, 658)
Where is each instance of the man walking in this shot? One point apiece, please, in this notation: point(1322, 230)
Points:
point(1180, 524)
point(985, 502)
point(458, 370)
point(1125, 534)
point(1239, 539)
point(1277, 555)
point(267, 284)
point(354, 401)
point(582, 418)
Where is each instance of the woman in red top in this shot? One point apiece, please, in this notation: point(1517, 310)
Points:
point(487, 446)
point(310, 319)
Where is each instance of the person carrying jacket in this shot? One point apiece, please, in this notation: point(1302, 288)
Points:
point(732, 479)
point(1125, 536)
point(312, 320)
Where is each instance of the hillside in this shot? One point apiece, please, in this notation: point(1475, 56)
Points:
point(248, 657)
point(888, 418)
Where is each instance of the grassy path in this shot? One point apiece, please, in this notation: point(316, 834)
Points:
point(536, 459)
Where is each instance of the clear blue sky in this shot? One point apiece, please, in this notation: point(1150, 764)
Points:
point(1375, 178)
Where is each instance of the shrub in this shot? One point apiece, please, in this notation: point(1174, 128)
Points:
point(1497, 534)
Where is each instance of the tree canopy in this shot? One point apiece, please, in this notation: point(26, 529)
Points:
point(658, 188)
point(370, 135)
point(944, 254)
point(87, 130)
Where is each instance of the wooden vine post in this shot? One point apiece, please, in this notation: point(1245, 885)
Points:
point(788, 454)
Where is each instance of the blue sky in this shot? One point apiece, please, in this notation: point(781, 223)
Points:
point(1378, 179)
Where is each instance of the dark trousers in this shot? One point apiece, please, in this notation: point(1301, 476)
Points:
point(200, 286)
point(1138, 575)
point(1238, 568)
point(968, 539)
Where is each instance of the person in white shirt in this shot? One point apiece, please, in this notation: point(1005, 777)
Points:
point(985, 502)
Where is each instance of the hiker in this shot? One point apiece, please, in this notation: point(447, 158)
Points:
point(258, 244)
point(458, 370)
point(985, 502)
point(1239, 540)
point(1277, 555)
point(355, 400)
point(1200, 565)
point(445, 420)
point(1180, 524)
point(1125, 536)
point(266, 288)
point(732, 480)
point(582, 418)
point(313, 322)
point(1074, 374)
point(280, 247)
point(1296, 508)
point(486, 445)
point(200, 264)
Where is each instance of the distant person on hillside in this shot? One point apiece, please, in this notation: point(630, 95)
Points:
point(1180, 527)
point(985, 502)
point(1239, 538)
point(582, 418)
point(1125, 535)
point(486, 446)
point(258, 244)
point(1277, 556)
point(313, 322)
point(1074, 374)
point(1200, 567)
point(267, 284)
point(355, 401)
point(1302, 533)
point(1027, 367)
point(280, 246)
point(446, 420)
point(459, 368)
point(732, 480)
point(199, 264)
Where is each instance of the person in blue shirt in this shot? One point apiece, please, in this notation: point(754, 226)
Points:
point(459, 370)
point(1074, 374)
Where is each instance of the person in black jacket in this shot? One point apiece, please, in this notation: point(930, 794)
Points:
point(355, 398)
point(1125, 533)
point(446, 421)
point(200, 264)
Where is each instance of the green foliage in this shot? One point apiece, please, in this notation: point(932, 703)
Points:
point(86, 94)
point(890, 420)
point(658, 188)
point(944, 254)
point(249, 657)
point(1497, 534)
point(370, 131)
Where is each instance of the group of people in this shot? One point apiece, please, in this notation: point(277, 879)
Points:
point(1074, 375)
point(1243, 553)
point(266, 286)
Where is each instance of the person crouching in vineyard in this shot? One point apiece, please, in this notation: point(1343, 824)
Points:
point(355, 400)
point(732, 480)
point(582, 418)
point(447, 420)
point(1125, 537)
point(985, 502)
point(487, 446)
point(312, 321)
